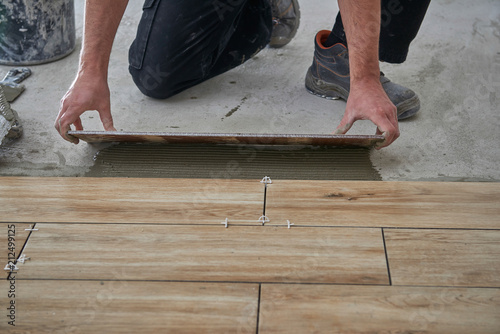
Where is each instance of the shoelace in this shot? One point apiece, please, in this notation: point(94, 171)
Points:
point(284, 20)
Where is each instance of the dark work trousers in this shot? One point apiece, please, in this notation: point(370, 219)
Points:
point(181, 43)
point(400, 22)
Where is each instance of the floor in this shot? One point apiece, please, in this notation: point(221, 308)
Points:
point(192, 256)
point(454, 66)
point(394, 252)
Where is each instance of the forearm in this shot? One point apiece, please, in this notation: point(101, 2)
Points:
point(89, 91)
point(102, 18)
point(361, 20)
point(367, 98)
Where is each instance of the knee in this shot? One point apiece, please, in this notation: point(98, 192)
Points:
point(154, 81)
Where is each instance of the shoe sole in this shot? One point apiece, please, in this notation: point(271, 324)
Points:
point(279, 42)
point(318, 87)
point(408, 108)
point(323, 89)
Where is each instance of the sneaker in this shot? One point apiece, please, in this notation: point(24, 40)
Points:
point(328, 77)
point(286, 19)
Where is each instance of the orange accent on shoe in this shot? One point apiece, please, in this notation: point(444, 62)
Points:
point(321, 38)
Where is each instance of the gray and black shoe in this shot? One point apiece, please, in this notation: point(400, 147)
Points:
point(328, 77)
point(286, 20)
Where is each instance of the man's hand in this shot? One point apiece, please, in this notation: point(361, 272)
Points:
point(90, 89)
point(83, 95)
point(368, 101)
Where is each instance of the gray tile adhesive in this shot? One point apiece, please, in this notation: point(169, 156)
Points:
point(234, 162)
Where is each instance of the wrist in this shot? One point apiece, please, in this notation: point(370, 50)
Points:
point(365, 72)
point(364, 64)
point(94, 70)
point(371, 80)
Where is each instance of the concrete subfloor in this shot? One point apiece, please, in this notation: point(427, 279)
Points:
point(454, 66)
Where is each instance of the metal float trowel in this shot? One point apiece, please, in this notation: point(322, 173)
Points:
point(11, 84)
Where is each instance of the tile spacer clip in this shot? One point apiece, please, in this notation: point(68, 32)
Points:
point(226, 222)
point(266, 180)
point(11, 267)
point(31, 229)
point(264, 219)
point(23, 258)
point(289, 224)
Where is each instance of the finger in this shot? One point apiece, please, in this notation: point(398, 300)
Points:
point(388, 128)
point(107, 119)
point(78, 127)
point(69, 137)
point(78, 124)
point(64, 125)
point(389, 136)
point(344, 126)
point(63, 128)
point(61, 125)
point(62, 111)
point(384, 143)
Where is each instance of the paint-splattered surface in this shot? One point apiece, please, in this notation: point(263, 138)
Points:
point(34, 32)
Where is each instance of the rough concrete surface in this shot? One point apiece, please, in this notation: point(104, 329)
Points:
point(454, 66)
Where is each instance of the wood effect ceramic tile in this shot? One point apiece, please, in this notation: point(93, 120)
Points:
point(130, 307)
point(206, 253)
point(377, 309)
point(444, 257)
point(228, 138)
point(124, 200)
point(385, 204)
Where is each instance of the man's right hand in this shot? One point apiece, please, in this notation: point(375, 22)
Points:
point(84, 94)
point(368, 100)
